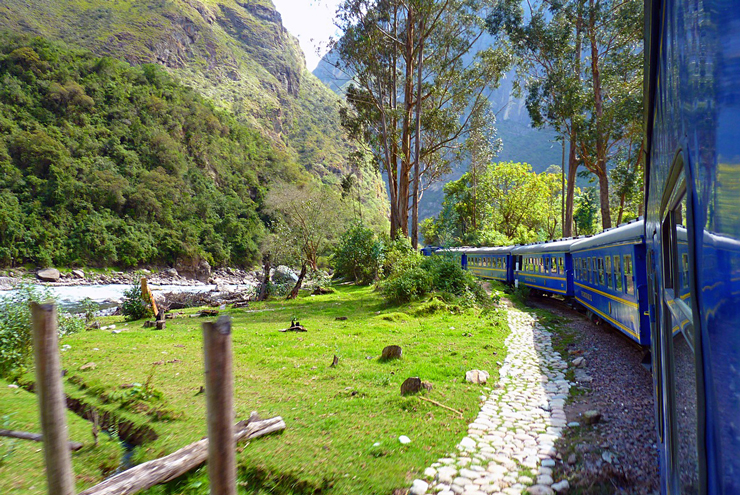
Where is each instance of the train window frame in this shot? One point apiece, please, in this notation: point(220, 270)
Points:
point(600, 264)
point(629, 275)
point(608, 271)
point(618, 285)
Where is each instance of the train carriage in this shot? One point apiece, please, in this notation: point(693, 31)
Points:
point(692, 234)
point(609, 278)
point(545, 267)
point(493, 263)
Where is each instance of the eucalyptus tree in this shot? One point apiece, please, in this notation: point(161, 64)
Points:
point(413, 88)
point(581, 63)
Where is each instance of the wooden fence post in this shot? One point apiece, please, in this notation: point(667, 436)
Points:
point(220, 404)
point(52, 403)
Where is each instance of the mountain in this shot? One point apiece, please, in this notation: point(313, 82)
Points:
point(521, 142)
point(237, 53)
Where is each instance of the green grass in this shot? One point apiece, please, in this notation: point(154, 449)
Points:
point(334, 416)
point(22, 462)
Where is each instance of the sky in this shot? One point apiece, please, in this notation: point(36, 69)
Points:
point(312, 22)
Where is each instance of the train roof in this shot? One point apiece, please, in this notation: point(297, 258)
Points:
point(490, 250)
point(559, 246)
point(633, 231)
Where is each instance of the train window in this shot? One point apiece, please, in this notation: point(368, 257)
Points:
point(600, 264)
point(617, 274)
point(608, 263)
point(685, 270)
point(561, 269)
point(629, 281)
point(589, 270)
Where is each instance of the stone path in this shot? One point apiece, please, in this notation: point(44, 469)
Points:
point(509, 448)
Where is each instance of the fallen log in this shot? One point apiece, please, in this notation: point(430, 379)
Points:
point(36, 437)
point(167, 468)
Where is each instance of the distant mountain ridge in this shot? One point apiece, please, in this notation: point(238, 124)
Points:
point(238, 53)
point(521, 142)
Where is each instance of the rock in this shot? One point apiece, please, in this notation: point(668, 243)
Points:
point(548, 463)
point(88, 366)
point(48, 275)
point(341, 318)
point(404, 439)
point(540, 490)
point(574, 424)
point(12, 385)
point(149, 324)
point(467, 443)
point(572, 459)
point(284, 275)
point(544, 479)
point(78, 273)
point(591, 417)
point(171, 272)
point(93, 325)
point(579, 362)
point(608, 457)
point(391, 352)
point(161, 324)
point(411, 386)
point(418, 487)
point(561, 486)
point(193, 267)
point(477, 376)
point(426, 385)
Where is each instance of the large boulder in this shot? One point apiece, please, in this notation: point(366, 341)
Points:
point(48, 275)
point(196, 268)
point(284, 275)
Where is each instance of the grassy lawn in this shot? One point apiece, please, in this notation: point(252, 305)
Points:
point(343, 423)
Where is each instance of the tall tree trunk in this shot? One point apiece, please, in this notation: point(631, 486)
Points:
point(294, 292)
point(417, 142)
point(265, 285)
point(601, 137)
point(572, 156)
point(404, 178)
point(571, 185)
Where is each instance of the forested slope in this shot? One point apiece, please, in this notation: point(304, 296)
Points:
point(104, 163)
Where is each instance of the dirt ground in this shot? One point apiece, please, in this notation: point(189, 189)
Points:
point(617, 454)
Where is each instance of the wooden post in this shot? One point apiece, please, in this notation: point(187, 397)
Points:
point(148, 297)
point(220, 404)
point(52, 404)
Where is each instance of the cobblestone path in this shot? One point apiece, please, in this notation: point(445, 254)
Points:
point(509, 448)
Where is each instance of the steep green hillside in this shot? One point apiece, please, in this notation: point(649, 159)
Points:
point(102, 163)
point(235, 52)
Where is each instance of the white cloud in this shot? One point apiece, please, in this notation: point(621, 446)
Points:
point(312, 22)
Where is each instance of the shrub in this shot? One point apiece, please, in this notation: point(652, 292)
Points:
point(399, 255)
point(15, 326)
point(133, 306)
point(359, 255)
point(406, 285)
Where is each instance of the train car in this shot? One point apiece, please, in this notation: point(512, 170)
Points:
point(458, 253)
point(692, 229)
point(609, 278)
point(492, 263)
point(546, 266)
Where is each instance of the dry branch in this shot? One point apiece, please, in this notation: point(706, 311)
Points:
point(443, 406)
point(36, 437)
point(178, 463)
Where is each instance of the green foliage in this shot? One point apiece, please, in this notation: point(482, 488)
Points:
point(503, 203)
point(585, 214)
point(133, 306)
point(15, 325)
point(420, 275)
point(102, 163)
point(359, 255)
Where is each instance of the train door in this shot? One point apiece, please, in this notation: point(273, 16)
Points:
point(680, 378)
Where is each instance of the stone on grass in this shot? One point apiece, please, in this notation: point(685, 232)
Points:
point(48, 275)
point(404, 439)
point(591, 417)
point(561, 486)
point(579, 362)
point(540, 490)
point(411, 386)
point(88, 366)
point(477, 376)
point(391, 352)
point(572, 459)
point(418, 487)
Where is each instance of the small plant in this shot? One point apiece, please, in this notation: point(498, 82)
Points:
point(88, 308)
point(133, 306)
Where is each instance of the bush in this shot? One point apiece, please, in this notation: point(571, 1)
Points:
point(406, 285)
point(399, 255)
point(420, 275)
point(359, 255)
point(16, 338)
point(133, 306)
